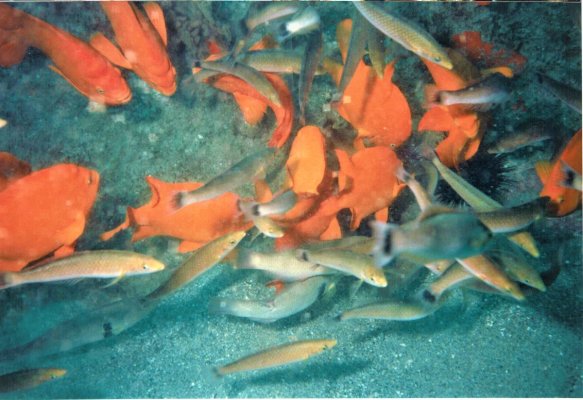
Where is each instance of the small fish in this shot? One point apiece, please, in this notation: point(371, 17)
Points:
point(310, 63)
point(246, 73)
point(245, 171)
point(375, 41)
point(257, 16)
point(293, 299)
point(87, 327)
point(481, 95)
point(521, 271)
point(409, 36)
point(356, 50)
point(566, 94)
point(279, 355)
point(486, 270)
point(438, 236)
point(359, 265)
point(479, 201)
point(199, 262)
point(512, 219)
point(85, 264)
point(528, 135)
point(28, 378)
point(306, 21)
point(393, 311)
point(278, 205)
point(453, 277)
point(279, 61)
point(283, 265)
point(359, 244)
point(572, 179)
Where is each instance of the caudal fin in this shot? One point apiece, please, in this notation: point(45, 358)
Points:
point(13, 43)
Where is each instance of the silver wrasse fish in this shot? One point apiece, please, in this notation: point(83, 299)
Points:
point(245, 171)
point(494, 89)
point(295, 298)
point(568, 95)
point(408, 35)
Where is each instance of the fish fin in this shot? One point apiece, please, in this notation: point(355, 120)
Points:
point(432, 96)
point(354, 288)
point(263, 320)
point(110, 51)
point(504, 70)
point(277, 284)
point(383, 250)
point(252, 109)
point(64, 250)
point(74, 281)
point(114, 281)
point(156, 16)
point(543, 170)
point(112, 232)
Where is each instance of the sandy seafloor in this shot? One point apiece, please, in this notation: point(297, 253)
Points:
point(476, 345)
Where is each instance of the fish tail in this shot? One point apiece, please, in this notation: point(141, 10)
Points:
point(432, 96)
point(384, 248)
point(218, 306)
point(13, 43)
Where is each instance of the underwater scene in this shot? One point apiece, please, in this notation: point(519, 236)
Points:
point(290, 199)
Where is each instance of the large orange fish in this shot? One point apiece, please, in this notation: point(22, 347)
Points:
point(565, 199)
point(373, 105)
point(44, 212)
point(142, 41)
point(80, 64)
point(196, 224)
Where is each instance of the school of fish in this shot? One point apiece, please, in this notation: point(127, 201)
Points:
point(296, 189)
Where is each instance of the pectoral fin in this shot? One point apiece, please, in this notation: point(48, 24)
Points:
point(113, 282)
point(104, 46)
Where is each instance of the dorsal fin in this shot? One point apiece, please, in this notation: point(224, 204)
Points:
point(156, 16)
point(110, 51)
point(543, 170)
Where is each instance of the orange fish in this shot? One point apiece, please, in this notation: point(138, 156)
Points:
point(80, 64)
point(314, 215)
point(487, 55)
point(142, 41)
point(367, 182)
point(11, 169)
point(196, 224)
point(284, 114)
point(44, 212)
point(374, 106)
point(565, 199)
point(462, 124)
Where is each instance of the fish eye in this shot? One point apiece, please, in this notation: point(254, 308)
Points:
point(100, 90)
point(145, 267)
point(437, 59)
